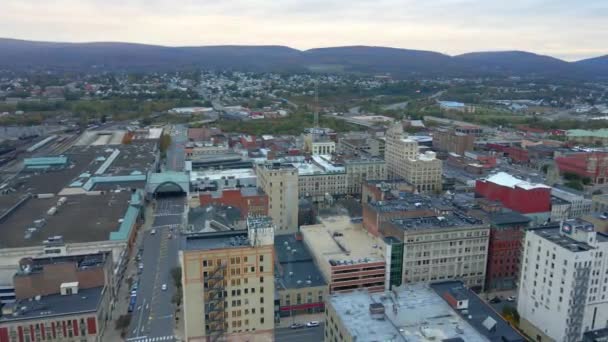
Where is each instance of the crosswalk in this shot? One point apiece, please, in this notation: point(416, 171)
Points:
point(151, 339)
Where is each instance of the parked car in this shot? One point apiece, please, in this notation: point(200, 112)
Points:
point(164, 287)
point(312, 324)
point(296, 326)
point(153, 231)
point(511, 299)
point(495, 300)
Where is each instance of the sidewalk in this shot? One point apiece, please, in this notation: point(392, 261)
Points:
point(121, 302)
point(287, 321)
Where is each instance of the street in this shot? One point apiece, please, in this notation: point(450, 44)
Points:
point(175, 152)
point(299, 335)
point(153, 317)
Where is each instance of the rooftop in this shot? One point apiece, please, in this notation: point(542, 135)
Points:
point(478, 312)
point(600, 133)
point(455, 220)
point(295, 267)
point(415, 313)
point(214, 217)
point(81, 218)
point(336, 238)
point(553, 233)
point(509, 217)
point(216, 240)
point(505, 179)
point(87, 300)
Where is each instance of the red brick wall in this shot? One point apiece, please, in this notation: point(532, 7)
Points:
point(518, 199)
point(257, 205)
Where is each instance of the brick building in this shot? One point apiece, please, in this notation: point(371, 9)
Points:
point(448, 140)
point(504, 250)
point(250, 201)
point(515, 194)
point(593, 165)
point(63, 298)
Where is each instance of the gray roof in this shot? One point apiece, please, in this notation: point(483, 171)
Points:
point(215, 240)
point(298, 266)
point(455, 220)
point(478, 311)
point(509, 217)
point(552, 233)
point(87, 300)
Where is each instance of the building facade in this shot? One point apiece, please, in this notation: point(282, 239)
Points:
point(515, 194)
point(593, 165)
point(398, 151)
point(439, 248)
point(424, 172)
point(250, 201)
point(447, 140)
point(280, 183)
point(563, 279)
point(228, 284)
point(504, 250)
point(360, 170)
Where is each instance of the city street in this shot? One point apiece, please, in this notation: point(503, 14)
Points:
point(175, 152)
point(299, 335)
point(153, 318)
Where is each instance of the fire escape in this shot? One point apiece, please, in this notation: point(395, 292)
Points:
point(215, 304)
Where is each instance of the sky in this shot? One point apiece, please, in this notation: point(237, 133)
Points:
point(567, 29)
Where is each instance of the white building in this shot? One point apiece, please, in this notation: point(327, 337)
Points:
point(578, 205)
point(563, 282)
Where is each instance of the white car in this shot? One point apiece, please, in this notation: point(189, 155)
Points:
point(511, 299)
point(164, 287)
point(312, 324)
point(153, 231)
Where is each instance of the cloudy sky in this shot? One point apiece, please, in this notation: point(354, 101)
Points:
point(568, 29)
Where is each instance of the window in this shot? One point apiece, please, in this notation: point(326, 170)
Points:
point(261, 258)
point(261, 279)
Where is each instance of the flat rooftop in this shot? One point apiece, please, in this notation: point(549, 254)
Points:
point(479, 313)
point(222, 174)
point(336, 238)
point(553, 234)
point(421, 315)
point(82, 218)
point(213, 217)
point(295, 267)
point(87, 300)
point(510, 217)
point(455, 220)
point(215, 240)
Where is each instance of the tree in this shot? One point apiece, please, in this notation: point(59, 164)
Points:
point(177, 298)
point(510, 314)
point(165, 142)
point(597, 192)
point(123, 322)
point(176, 274)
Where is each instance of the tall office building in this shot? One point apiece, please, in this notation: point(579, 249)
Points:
point(398, 150)
point(280, 182)
point(562, 287)
point(403, 161)
point(228, 284)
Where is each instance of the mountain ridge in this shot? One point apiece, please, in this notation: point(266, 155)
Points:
point(22, 54)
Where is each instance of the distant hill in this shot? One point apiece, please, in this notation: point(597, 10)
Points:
point(597, 64)
point(21, 54)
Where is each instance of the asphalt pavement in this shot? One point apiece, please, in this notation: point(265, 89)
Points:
point(154, 317)
point(299, 335)
point(175, 152)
